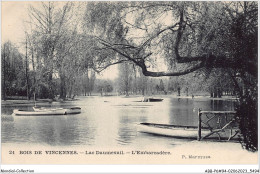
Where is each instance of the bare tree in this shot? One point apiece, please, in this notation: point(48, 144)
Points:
point(48, 24)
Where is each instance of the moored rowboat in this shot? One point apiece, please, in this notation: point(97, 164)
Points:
point(41, 109)
point(171, 130)
point(150, 99)
point(38, 111)
point(73, 110)
point(19, 112)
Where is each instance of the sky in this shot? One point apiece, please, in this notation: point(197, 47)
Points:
point(111, 73)
point(14, 15)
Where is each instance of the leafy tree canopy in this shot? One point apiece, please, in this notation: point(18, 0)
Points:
point(185, 36)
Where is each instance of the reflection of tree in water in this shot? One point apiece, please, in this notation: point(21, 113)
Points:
point(181, 112)
point(21, 132)
point(127, 130)
point(222, 105)
point(68, 131)
point(58, 130)
point(7, 131)
point(184, 111)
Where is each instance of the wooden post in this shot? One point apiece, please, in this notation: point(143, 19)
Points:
point(199, 126)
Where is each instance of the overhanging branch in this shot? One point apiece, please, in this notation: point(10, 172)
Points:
point(100, 69)
point(164, 73)
point(157, 34)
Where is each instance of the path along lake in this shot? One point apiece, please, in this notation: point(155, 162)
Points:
point(104, 121)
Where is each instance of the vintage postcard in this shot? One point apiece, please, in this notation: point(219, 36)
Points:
point(130, 83)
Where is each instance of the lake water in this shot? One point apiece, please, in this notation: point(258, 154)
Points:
point(104, 121)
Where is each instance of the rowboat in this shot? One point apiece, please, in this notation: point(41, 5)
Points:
point(152, 99)
point(41, 111)
point(171, 130)
point(73, 110)
point(19, 112)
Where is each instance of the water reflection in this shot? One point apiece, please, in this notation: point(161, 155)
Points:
point(8, 131)
point(102, 124)
point(126, 132)
point(182, 112)
point(128, 118)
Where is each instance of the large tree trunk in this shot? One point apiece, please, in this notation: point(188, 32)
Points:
point(126, 88)
point(87, 83)
point(62, 85)
point(143, 91)
point(50, 84)
point(71, 87)
point(92, 82)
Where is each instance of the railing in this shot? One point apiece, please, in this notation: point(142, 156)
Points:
point(224, 122)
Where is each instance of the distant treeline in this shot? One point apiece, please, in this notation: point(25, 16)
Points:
point(19, 78)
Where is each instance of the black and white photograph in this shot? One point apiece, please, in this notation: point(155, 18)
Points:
point(130, 83)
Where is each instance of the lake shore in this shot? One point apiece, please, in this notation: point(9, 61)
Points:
point(42, 101)
point(32, 102)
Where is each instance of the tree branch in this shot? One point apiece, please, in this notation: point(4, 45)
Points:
point(179, 73)
point(100, 69)
point(157, 34)
point(179, 34)
point(134, 26)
